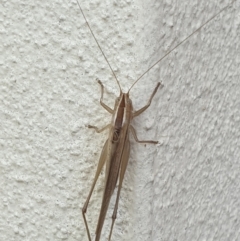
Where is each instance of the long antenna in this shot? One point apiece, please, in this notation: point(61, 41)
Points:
point(181, 43)
point(99, 46)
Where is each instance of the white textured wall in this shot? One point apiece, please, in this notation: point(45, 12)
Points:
point(187, 187)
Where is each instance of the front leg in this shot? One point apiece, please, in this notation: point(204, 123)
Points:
point(101, 99)
point(138, 112)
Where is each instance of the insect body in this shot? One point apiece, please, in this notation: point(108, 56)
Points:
point(115, 153)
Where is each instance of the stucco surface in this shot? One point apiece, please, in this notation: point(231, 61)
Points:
point(186, 187)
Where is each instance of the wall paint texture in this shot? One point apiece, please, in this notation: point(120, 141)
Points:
point(185, 188)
